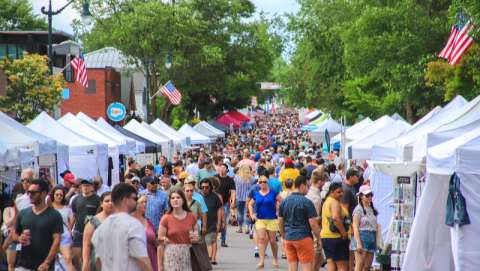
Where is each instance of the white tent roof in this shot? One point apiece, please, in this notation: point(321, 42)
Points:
point(353, 129)
point(209, 126)
point(206, 131)
point(459, 154)
point(10, 157)
point(461, 117)
point(163, 133)
point(369, 130)
point(401, 148)
point(159, 124)
point(78, 144)
point(196, 137)
point(138, 129)
point(362, 149)
point(15, 134)
point(139, 146)
point(80, 127)
point(124, 146)
point(332, 126)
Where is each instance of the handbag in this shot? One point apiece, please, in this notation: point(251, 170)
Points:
point(346, 224)
point(199, 257)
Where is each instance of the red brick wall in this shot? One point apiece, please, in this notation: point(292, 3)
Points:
point(93, 104)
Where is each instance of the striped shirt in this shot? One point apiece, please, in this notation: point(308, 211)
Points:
point(242, 188)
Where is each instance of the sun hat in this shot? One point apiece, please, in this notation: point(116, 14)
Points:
point(365, 190)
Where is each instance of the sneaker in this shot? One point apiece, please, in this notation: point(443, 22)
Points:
point(224, 244)
point(256, 253)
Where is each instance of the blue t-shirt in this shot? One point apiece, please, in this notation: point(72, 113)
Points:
point(275, 184)
point(157, 170)
point(266, 205)
point(296, 210)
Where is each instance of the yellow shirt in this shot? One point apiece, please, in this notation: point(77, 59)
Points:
point(288, 173)
point(326, 214)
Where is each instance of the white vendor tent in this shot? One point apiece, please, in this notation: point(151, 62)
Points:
point(82, 128)
point(332, 126)
point(159, 124)
point(466, 117)
point(195, 137)
point(401, 148)
point(12, 156)
point(49, 154)
point(209, 126)
point(86, 157)
point(352, 130)
point(205, 129)
point(138, 129)
point(314, 114)
point(126, 145)
point(173, 145)
point(433, 245)
point(362, 149)
point(139, 146)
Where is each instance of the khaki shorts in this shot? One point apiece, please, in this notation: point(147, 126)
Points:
point(210, 238)
point(267, 224)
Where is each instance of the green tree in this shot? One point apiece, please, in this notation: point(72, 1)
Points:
point(18, 15)
point(29, 90)
point(219, 52)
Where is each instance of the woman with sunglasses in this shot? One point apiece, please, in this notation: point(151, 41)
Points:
point(334, 231)
point(57, 196)
point(193, 205)
point(88, 254)
point(266, 203)
point(364, 229)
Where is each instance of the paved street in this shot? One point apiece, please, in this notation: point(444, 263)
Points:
point(239, 254)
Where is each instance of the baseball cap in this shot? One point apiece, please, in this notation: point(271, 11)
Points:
point(365, 190)
point(190, 179)
point(69, 177)
point(148, 179)
point(136, 179)
point(86, 181)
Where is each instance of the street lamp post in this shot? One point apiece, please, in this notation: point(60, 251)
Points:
point(50, 13)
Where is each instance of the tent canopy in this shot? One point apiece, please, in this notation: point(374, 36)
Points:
point(239, 116)
point(218, 126)
point(313, 115)
point(158, 124)
point(150, 146)
point(196, 137)
point(352, 129)
point(207, 130)
point(14, 134)
point(332, 126)
point(135, 127)
point(137, 146)
point(227, 120)
point(125, 146)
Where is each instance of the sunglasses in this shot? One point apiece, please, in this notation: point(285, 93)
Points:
point(135, 198)
point(205, 187)
point(262, 182)
point(25, 181)
point(188, 190)
point(369, 195)
point(58, 195)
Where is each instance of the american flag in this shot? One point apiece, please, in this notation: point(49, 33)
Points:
point(171, 92)
point(458, 43)
point(80, 70)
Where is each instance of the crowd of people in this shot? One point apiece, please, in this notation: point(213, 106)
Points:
point(269, 182)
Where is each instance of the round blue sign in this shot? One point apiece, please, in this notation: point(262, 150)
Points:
point(116, 112)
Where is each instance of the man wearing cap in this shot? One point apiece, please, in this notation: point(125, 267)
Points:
point(207, 171)
point(70, 185)
point(289, 172)
point(156, 201)
point(84, 205)
point(199, 198)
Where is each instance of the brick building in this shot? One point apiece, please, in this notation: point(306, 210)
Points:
point(110, 79)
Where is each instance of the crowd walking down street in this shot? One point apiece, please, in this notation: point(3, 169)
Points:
point(265, 197)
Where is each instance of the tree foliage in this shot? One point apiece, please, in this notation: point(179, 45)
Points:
point(29, 90)
point(370, 57)
point(18, 15)
point(219, 52)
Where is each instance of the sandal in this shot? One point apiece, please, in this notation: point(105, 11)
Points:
point(275, 265)
point(260, 266)
point(239, 231)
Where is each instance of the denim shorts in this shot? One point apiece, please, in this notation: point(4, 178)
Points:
point(369, 241)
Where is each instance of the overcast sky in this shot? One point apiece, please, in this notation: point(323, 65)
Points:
point(63, 20)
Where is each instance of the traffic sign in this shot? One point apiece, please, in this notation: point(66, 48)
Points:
point(116, 112)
